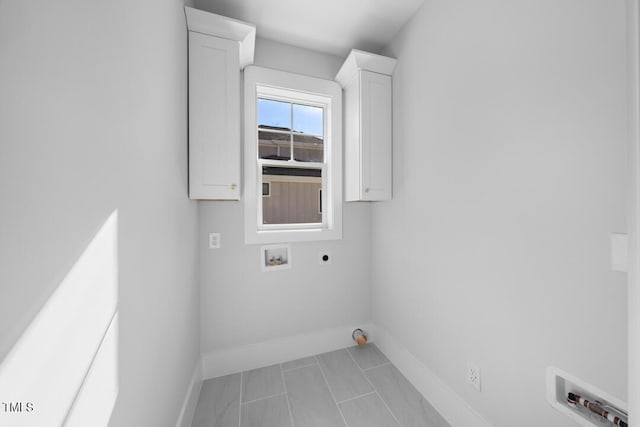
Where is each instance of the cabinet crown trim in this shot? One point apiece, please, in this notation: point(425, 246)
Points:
point(244, 33)
point(361, 60)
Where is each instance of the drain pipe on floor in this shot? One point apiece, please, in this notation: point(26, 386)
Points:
point(359, 336)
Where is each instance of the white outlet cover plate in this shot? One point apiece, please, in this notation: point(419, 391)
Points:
point(473, 375)
point(214, 240)
point(619, 252)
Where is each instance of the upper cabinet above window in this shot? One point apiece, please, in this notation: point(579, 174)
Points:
point(219, 48)
point(366, 80)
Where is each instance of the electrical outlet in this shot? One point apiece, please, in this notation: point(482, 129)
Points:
point(214, 240)
point(473, 375)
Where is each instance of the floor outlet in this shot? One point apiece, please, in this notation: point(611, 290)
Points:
point(473, 375)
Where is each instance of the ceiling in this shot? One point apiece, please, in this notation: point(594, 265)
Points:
point(332, 26)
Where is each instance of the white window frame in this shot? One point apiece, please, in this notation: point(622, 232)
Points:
point(262, 82)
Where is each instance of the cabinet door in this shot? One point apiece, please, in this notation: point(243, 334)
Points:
point(214, 118)
point(375, 116)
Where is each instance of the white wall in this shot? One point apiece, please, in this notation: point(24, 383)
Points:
point(242, 305)
point(633, 15)
point(93, 120)
point(510, 171)
point(159, 318)
point(272, 54)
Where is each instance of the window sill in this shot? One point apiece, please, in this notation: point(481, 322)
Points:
point(299, 235)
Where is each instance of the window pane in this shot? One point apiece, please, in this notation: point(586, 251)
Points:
point(274, 145)
point(307, 148)
point(274, 114)
point(293, 196)
point(308, 119)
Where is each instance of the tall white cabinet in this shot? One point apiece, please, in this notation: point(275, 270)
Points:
point(366, 81)
point(219, 48)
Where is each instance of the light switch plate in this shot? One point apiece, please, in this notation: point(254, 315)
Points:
point(214, 240)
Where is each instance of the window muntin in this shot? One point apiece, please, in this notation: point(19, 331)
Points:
point(278, 140)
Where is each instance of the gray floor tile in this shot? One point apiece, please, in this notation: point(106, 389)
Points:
point(269, 412)
point(262, 382)
point(368, 356)
point(218, 405)
point(379, 396)
point(367, 411)
point(405, 402)
point(310, 399)
point(299, 363)
point(343, 375)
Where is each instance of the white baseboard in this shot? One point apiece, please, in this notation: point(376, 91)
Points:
point(252, 356)
point(191, 399)
point(446, 401)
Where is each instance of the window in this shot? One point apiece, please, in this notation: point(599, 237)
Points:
point(293, 152)
point(290, 133)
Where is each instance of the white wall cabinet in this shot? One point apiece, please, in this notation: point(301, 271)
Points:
point(219, 48)
point(366, 80)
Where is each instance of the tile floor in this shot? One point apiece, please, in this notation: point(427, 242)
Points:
point(352, 387)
